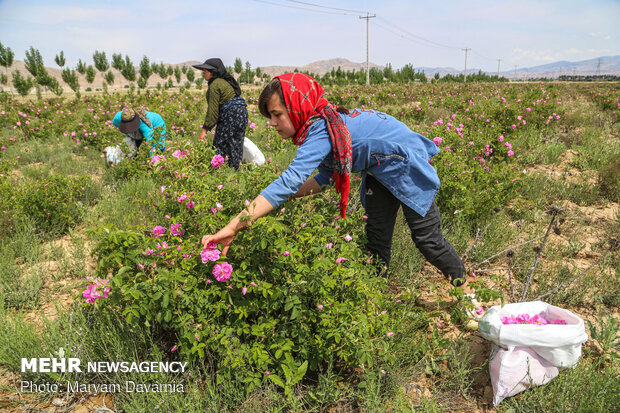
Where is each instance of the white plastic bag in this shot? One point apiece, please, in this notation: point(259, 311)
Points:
point(515, 369)
point(251, 153)
point(113, 154)
point(558, 344)
point(529, 354)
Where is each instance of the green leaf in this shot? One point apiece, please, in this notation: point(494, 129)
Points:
point(166, 301)
point(287, 372)
point(277, 380)
point(301, 372)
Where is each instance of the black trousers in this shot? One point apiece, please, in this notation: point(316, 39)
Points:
point(382, 209)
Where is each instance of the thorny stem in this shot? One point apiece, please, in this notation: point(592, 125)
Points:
point(464, 258)
point(496, 269)
point(478, 236)
point(566, 283)
point(554, 212)
point(512, 286)
point(508, 249)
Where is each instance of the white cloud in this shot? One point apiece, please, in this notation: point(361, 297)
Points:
point(600, 36)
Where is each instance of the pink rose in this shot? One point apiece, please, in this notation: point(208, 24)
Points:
point(158, 231)
point(222, 271)
point(217, 161)
point(209, 255)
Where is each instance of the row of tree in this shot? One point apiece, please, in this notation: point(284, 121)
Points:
point(245, 74)
point(41, 78)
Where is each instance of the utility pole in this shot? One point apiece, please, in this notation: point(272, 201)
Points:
point(598, 67)
point(367, 17)
point(515, 72)
point(498, 61)
point(466, 49)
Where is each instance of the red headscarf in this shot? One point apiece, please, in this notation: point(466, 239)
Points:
point(305, 101)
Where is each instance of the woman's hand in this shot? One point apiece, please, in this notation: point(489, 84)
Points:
point(225, 236)
point(257, 208)
point(203, 135)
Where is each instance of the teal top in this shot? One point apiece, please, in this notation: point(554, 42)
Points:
point(155, 136)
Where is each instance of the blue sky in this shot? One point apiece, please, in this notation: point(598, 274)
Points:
point(524, 33)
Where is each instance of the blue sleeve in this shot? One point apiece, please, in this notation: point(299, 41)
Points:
point(309, 156)
point(324, 177)
point(117, 119)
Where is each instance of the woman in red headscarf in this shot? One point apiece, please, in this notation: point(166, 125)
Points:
point(393, 160)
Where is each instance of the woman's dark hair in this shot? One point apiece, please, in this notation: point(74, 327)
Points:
point(274, 86)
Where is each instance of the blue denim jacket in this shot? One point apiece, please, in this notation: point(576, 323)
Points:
point(382, 146)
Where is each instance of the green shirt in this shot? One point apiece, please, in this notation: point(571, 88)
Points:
point(219, 92)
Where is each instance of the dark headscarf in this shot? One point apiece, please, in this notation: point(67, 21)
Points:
point(220, 71)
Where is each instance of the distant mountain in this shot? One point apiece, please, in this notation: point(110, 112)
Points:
point(600, 65)
point(321, 67)
point(604, 65)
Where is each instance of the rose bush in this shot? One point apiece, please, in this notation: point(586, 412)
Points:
point(258, 309)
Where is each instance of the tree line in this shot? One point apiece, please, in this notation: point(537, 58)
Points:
point(40, 77)
point(170, 75)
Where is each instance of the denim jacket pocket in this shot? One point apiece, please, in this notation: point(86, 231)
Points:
point(382, 156)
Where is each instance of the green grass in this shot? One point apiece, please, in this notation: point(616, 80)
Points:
point(126, 205)
point(587, 389)
point(418, 348)
point(540, 147)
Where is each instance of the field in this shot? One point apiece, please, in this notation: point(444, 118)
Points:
point(530, 190)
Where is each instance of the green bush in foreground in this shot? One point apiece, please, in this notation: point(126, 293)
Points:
point(301, 293)
point(55, 203)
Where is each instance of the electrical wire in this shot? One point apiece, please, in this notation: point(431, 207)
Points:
point(304, 8)
point(482, 56)
point(326, 7)
point(405, 34)
point(418, 37)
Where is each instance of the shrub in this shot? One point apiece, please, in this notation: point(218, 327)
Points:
point(292, 302)
point(55, 203)
point(609, 179)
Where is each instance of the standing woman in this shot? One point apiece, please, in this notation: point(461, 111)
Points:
point(226, 109)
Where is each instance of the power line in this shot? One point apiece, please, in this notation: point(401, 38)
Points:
point(405, 34)
point(419, 37)
point(406, 37)
point(481, 55)
point(325, 7)
point(304, 8)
